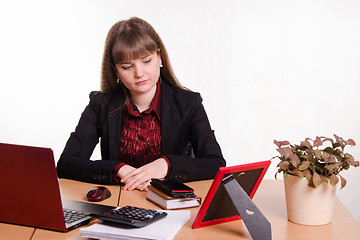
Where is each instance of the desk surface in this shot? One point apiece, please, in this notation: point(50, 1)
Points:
point(75, 191)
point(270, 199)
point(15, 232)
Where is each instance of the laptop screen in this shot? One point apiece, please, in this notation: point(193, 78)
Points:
point(30, 189)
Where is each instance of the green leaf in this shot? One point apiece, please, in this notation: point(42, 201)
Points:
point(329, 150)
point(333, 167)
point(337, 152)
point(298, 173)
point(286, 152)
point(283, 165)
point(333, 179)
point(281, 143)
point(348, 156)
point(306, 144)
point(343, 182)
point(330, 159)
point(304, 165)
point(338, 139)
point(318, 142)
point(336, 145)
point(350, 142)
point(308, 175)
point(316, 179)
point(324, 179)
point(295, 161)
point(318, 153)
point(326, 139)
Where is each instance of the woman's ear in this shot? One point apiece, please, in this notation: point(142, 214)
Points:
point(118, 80)
point(115, 70)
point(159, 56)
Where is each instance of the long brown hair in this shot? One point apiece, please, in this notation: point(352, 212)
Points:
point(127, 40)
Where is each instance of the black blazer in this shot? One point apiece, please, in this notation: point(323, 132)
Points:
point(186, 138)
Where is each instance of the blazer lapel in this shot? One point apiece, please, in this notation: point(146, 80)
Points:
point(114, 126)
point(167, 118)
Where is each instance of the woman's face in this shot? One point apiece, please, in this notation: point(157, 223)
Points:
point(140, 76)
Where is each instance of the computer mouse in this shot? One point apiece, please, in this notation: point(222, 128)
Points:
point(98, 194)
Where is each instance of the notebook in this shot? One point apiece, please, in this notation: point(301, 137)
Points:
point(30, 194)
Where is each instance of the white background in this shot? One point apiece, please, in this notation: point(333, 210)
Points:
point(280, 69)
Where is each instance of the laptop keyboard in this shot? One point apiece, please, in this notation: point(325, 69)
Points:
point(71, 216)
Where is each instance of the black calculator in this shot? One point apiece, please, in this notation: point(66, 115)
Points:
point(130, 215)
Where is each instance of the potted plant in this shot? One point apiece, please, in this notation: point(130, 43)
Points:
point(311, 173)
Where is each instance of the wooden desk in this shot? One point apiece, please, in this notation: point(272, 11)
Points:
point(74, 190)
point(15, 232)
point(270, 199)
point(223, 231)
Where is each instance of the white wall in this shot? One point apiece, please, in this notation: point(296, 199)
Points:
point(266, 69)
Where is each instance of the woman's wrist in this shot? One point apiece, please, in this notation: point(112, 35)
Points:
point(168, 165)
point(124, 170)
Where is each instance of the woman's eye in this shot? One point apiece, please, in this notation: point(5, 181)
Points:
point(126, 67)
point(147, 61)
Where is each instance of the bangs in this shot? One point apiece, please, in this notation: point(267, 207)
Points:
point(131, 45)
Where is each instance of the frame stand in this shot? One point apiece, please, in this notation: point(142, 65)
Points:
point(258, 226)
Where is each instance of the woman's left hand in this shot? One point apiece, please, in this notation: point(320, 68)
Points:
point(140, 178)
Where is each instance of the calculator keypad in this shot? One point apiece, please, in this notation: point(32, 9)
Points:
point(135, 213)
point(131, 215)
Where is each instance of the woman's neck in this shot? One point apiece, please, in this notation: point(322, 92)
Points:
point(143, 100)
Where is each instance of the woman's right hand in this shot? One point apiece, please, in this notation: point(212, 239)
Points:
point(124, 170)
point(140, 178)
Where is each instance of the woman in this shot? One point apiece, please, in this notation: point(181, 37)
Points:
point(148, 124)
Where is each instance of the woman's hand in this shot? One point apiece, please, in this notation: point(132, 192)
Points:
point(140, 178)
point(124, 170)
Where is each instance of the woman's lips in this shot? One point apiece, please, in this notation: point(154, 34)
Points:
point(141, 82)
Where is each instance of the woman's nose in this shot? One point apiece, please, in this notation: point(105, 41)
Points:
point(139, 71)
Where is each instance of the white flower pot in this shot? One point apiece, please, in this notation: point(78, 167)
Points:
point(307, 205)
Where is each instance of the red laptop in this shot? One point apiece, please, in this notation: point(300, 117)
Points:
point(30, 193)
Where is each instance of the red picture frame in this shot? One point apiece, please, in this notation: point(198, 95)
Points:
point(217, 206)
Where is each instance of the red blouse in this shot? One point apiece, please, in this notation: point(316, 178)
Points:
point(140, 141)
point(141, 134)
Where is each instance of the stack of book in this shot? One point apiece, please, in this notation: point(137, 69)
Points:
point(167, 202)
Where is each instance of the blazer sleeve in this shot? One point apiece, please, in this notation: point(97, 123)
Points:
point(74, 162)
point(195, 132)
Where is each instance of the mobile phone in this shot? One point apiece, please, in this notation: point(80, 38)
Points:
point(173, 188)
